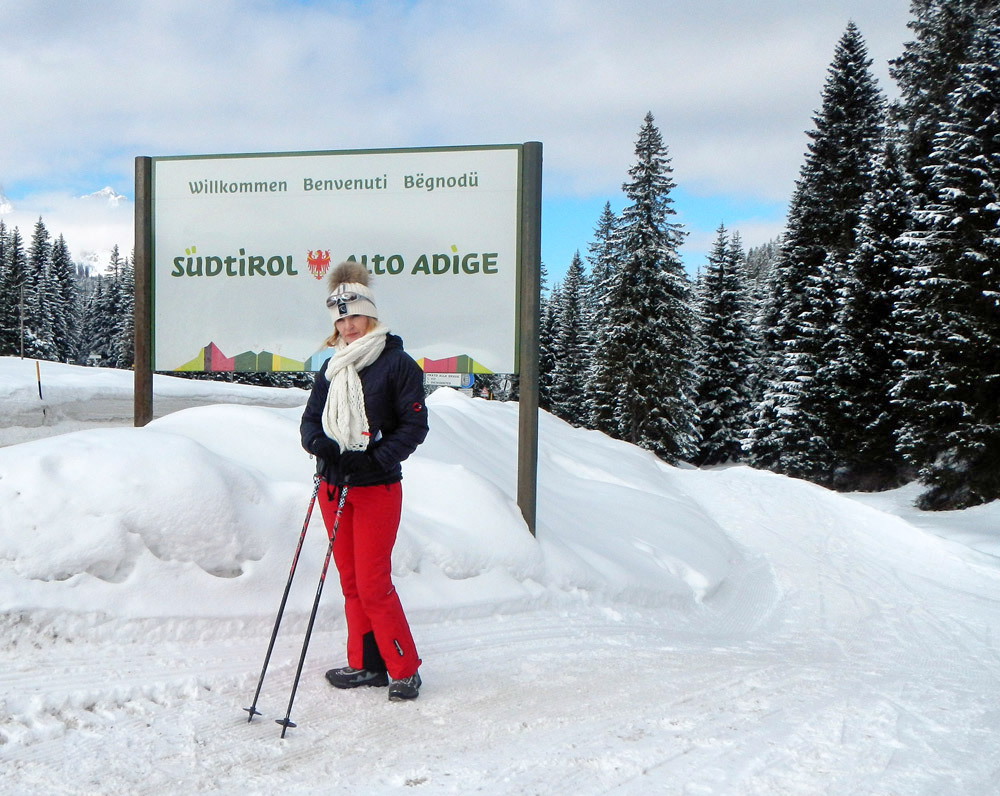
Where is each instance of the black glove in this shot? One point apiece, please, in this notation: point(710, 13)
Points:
point(357, 463)
point(325, 448)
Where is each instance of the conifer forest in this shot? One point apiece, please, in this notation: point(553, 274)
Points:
point(860, 350)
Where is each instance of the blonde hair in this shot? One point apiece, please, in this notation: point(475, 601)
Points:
point(331, 341)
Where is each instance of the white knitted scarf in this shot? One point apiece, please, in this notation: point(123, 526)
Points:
point(344, 417)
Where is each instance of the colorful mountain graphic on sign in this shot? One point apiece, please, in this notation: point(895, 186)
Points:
point(211, 359)
point(460, 364)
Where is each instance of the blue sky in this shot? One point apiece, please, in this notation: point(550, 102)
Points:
point(732, 86)
point(568, 224)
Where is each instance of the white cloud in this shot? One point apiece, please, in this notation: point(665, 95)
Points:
point(92, 225)
point(87, 87)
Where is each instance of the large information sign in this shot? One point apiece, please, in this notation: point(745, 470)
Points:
point(242, 244)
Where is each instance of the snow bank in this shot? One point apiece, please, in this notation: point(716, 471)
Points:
point(198, 514)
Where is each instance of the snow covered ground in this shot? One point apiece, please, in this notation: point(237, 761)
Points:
point(670, 631)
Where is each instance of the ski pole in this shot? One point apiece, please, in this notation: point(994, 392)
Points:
point(252, 710)
point(285, 722)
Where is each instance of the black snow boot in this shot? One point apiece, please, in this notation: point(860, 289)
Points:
point(346, 677)
point(407, 688)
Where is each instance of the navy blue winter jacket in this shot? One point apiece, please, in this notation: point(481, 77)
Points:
point(394, 402)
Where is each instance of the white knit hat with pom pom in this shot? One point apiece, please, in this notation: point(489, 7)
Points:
point(349, 291)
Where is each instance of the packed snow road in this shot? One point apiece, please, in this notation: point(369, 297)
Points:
point(831, 671)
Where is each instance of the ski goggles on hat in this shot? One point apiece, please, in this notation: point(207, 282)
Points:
point(348, 303)
point(342, 298)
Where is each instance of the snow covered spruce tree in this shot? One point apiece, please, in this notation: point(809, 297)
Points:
point(648, 317)
point(928, 71)
point(570, 347)
point(602, 386)
point(92, 321)
point(123, 344)
point(798, 429)
point(65, 308)
point(103, 314)
point(546, 346)
point(725, 357)
point(8, 291)
point(12, 289)
point(949, 305)
point(39, 297)
point(863, 367)
point(759, 287)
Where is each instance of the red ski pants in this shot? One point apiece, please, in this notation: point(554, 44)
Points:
point(362, 551)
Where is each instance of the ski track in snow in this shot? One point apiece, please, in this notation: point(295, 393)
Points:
point(776, 688)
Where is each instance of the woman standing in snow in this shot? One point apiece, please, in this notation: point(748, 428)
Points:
point(365, 415)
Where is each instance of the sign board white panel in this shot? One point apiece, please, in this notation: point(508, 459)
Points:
point(242, 244)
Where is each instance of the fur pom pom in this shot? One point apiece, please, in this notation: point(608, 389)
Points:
point(348, 271)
